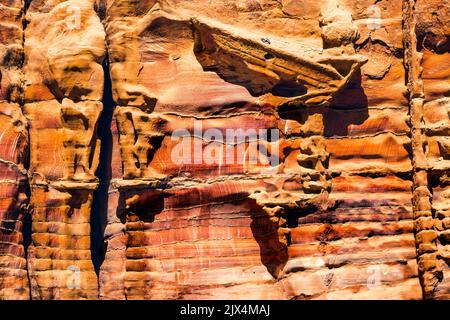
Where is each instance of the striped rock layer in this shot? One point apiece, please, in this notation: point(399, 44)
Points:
point(331, 180)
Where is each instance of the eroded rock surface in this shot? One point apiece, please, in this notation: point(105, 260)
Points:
point(217, 229)
point(13, 155)
point(254, 149)
point(64, 51)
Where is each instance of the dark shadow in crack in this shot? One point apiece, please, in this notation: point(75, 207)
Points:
point(99, 210)
point(234, 69)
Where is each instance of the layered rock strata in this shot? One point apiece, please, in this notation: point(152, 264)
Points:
point(64, 51)
point(13, 155)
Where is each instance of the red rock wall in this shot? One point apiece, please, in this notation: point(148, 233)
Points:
point(196, 246)
point(429, 95)
point(94, 94)
point(13, 155)
point(62, 102)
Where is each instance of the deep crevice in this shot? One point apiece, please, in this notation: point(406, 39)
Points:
point(99, 211)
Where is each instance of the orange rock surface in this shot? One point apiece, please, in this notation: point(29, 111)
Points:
point(234, 149)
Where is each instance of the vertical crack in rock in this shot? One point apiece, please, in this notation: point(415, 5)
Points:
point(103, 173)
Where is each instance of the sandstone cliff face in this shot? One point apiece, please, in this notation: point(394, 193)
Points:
point(115, 184)
point(14, 153)
point(429, 92)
